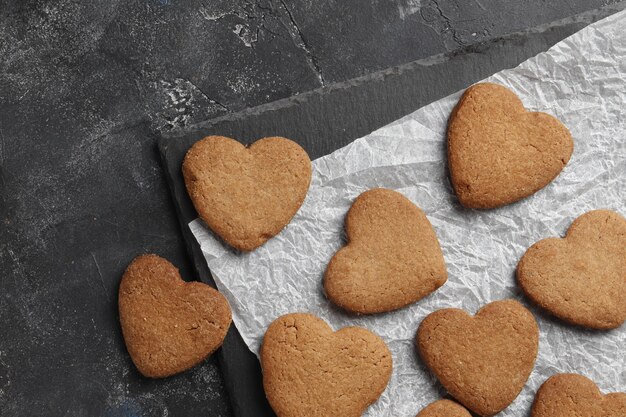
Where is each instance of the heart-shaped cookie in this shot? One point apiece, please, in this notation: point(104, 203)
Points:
point(246, 195)
point(169, 325)
point(444, 408)
point(571, 395)
point(581, 278)
point(309, 370)
point(485, 360)
point(498, 152)
point(392, 258)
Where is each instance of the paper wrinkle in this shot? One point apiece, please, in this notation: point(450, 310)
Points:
point(582, 81)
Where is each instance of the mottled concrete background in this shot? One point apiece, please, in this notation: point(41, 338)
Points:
point(84, 89)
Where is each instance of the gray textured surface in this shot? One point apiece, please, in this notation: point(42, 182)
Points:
point(84, 89)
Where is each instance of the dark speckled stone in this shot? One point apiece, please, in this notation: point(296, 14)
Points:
point(85, 89)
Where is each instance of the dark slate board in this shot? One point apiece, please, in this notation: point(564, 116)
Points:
point(324, 120)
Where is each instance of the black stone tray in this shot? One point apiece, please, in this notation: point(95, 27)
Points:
point(324, 120)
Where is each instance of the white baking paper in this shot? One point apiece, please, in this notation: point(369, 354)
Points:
point(582, 81)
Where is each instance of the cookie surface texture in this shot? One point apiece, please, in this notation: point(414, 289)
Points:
point(169, 325)
point(444, 408)
point(309, 370)
point(582, 277)
point(571, 395)
point(482, 361)
point(498, 152)
point(392, 258)
point(246, 195)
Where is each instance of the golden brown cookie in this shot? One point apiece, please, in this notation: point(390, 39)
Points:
point(169, 325)
point(392, 258)
point(571, 395)
point(485, 360)
point(581, 278)
point(309, 370)
point(498, 152)
point(246, 195)
point(444, 408)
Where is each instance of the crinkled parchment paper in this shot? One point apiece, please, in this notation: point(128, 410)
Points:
point(582, 81)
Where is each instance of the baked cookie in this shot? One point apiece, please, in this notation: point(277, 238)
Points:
point(581, 278)
point(309, 370)
point(444, 408)
point(498, 152)
point(392, 258)
point(169, 325)
point(482, 361)
point(571, 395)
point(246, 195)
